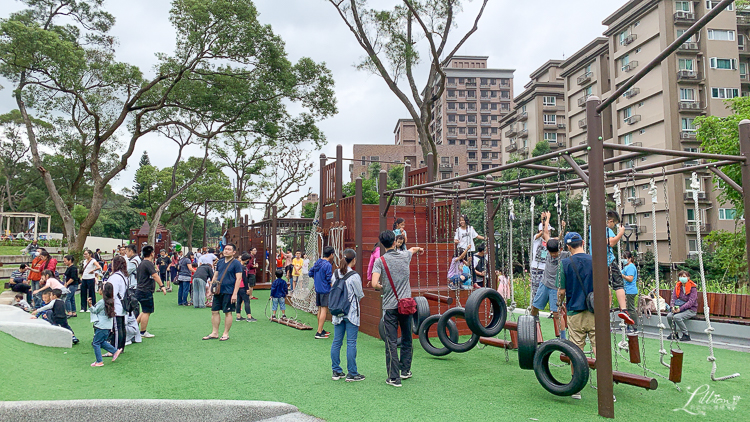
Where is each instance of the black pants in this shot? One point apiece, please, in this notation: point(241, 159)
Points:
point(23, 288)
point(64, 324)
point(242, 297)
point(117, 335)
point(88, 289)
point(395, 366)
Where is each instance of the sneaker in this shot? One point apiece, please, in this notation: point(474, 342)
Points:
point(685, 337)
point(452, 286)
point(253, 298)
point(128, 343)
point(147, 335)
point(337, 375)
point(251, 319)
point(76, 341)
point(83, 310)
point(326, 333)
point(672, 337)
point(239, 318)
point(576, 396)
point(320, 336)
point(116, 355)
point(614, 399)
point(625, 316)
point(550, 316)
point(405, 375)
point(394, 382)
point(97, 364)
point(358, 377)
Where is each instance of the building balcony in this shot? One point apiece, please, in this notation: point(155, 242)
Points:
point(744, 78)
point(552, 107)
point(688, 135)
point(511, 147)
point(523, 133)
point(471, 147)
point(511, 132)
point(471, 123)
point(702, 197)
point(635, 229)
point(636, 202)
point(446, 167)
point(582, 123)
point(486, 136)
point(585, 78)
point(484, 85)
point(472, 159)
point(690, 106)
point(688, 76)
point(451, 85)
point(689, 47)
point(630, 66)
point(743, 21)
point(523, 116)
point(550, 125)
point(684, 18)
point(471, 84)
point(632, 119)
point(486, 111)
point(692, 228)
point(693, 163)
point(632, 92)
point(629, 39)
point(523, 151)
point(449, 123)
point(485, 123)
point(582, 101)
point(584, 142)
point(557, 144)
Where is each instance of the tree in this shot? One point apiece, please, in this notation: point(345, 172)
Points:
point(309, 210)
point(389, 39)
point(228, 72)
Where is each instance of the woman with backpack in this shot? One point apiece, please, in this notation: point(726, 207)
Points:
point(119, 282)
point(346, 321)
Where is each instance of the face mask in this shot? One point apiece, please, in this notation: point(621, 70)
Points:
point(624, 261)
point(683, 279)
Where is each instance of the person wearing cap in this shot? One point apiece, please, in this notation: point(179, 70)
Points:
point(539, 253)
point(575, 281)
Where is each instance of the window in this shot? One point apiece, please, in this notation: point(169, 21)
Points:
point(472, 155)
point(451, 106)
point(626, 139)
point(627, 112)
point(445, 160)
point(451, 93)
point(462, 118)
point(721, 34)
point(451, 80)
point(493, 131)
point(682, 31)
point(462, 142)
point(646, 215)
point(451, 142)
point(550, 119)
point(471, 106)
point(493, 94)
point(743, 69)
point(550, 136)
point(471, 118)
point(648, 243)
point(725, 93)
point(692, 245)
point(688, 124)
point(485, 166)
point(691, 215)
point(689, 182)
point(485, 156)
point(727, 214)
point(452, 118)
point(683, 6)
point(455, 160)
point(588, 91)
point(549, 101)
point(471, 94)
point(723, 64)
point(495, 155)
point(364, 159)
point(624, 61)
point(472, 167)
point(711, 4)
point(623, 36)
point(686, 64)
point(494, 143)
point(642, 131)
point(375, 158)
point(687, 94)
point(523, 108)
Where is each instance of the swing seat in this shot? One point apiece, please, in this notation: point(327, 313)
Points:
point(623, 377)
point(675, 366)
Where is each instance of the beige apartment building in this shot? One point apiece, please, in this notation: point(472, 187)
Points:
point(465, 122)
point(659, 111)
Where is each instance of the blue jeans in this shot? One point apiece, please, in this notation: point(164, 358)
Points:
point(182, 293)
point(70, 300)
point(351, 331)
point(278, 302)
point(100, 341)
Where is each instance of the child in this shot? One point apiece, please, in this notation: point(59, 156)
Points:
point(297, 264)
point(630, 275)
point(21, 303)
point(305, 263)
point(242, 292)
point(374, 255)
point(102, 315)
point(47, 313)
point(503, 284)
point(455, 278)
point(278, 294)
point(71, 282)
point(398, 229)
point(400, 242)
point(466, 275)
point(58, 317)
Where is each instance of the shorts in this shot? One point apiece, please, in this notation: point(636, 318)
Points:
point(479, 282)
point(616, 282)
point(223, 302)
point(278, 302)
point(536, 280)
point(321, 300)
point(146, 299)
point(250, 280)
point(545, 295)
point(581, 325)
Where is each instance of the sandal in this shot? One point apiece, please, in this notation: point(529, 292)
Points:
point(209, 337)
point(224, 338)
point(107, 355)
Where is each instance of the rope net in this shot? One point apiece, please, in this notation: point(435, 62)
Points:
point(303, 296)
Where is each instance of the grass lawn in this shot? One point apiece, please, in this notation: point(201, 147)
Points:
point(268, 361)
point(10, 250)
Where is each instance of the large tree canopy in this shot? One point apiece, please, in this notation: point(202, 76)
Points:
point(228, 73)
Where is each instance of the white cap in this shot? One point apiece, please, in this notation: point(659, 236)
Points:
point(541, 227)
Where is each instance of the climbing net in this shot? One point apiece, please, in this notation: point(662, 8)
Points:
point(303, 296)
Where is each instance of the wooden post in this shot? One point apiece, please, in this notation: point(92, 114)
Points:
point(272, 255)
point(382, 186)
point(36, 227)
point(675, 366)
point(635, 352)
point(599, 255)
point(745, 150)
point(339, 188)
point(358, 224)
point(407, 170)
point(489, 243)
point(323, 182)
point(429, 202)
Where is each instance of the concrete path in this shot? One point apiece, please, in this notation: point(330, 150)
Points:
point(151, 410)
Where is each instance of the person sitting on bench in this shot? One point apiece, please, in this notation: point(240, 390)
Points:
point(684, 305)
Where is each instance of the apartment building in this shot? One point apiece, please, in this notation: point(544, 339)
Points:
point(311, 198)
point(538, 114)
point(464, 124)
point(658, 112)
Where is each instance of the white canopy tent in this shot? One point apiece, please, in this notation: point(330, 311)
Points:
point(27, 216)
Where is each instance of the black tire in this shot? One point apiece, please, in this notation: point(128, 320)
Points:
point(423, 311)
point(577, 359)
point(499, 312)
point(424, 340)
point(451, 345)
point(381, 332)
point(527, 341)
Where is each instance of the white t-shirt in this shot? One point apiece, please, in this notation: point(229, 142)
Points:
point(305, 266)
point(208, 258)
point(88, 270)
point(539, 253)
point(119, 285)
point(466, 237)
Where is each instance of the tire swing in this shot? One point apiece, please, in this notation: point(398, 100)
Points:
point(423, 312)
point(577, 360)
point(527, 341)
point(449, 343)
point(424, 338)
point(499, 312)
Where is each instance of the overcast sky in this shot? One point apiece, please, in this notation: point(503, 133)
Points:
point(515, 35)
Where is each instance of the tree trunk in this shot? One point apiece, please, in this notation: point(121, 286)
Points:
point(190, 234)
point(154, 224)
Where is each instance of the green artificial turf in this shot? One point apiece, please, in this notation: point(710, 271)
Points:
point(268, 361)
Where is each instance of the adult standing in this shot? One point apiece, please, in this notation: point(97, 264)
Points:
point(203, 274)
point(51, 262)
point(348, 324)
point(207, 257)
point(229, 275)
point(395, 265)
point(88, 279)
point(321, 272)
point(147, 278)
point(173, 266)
point(184, 275)
point(119, 281)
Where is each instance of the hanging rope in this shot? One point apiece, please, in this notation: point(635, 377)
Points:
point(673, 342)
point(653, 191)
point(585, 208)
point(531, 255)
point(511, 219)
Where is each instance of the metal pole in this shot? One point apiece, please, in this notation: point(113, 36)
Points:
point(599, 257)
point(745, 151)
point(489, 235)
point(358, 223)
point(726, 178)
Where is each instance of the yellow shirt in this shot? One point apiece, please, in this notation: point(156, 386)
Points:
point(297, 263)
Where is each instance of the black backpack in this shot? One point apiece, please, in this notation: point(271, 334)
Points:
point(338, 299)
